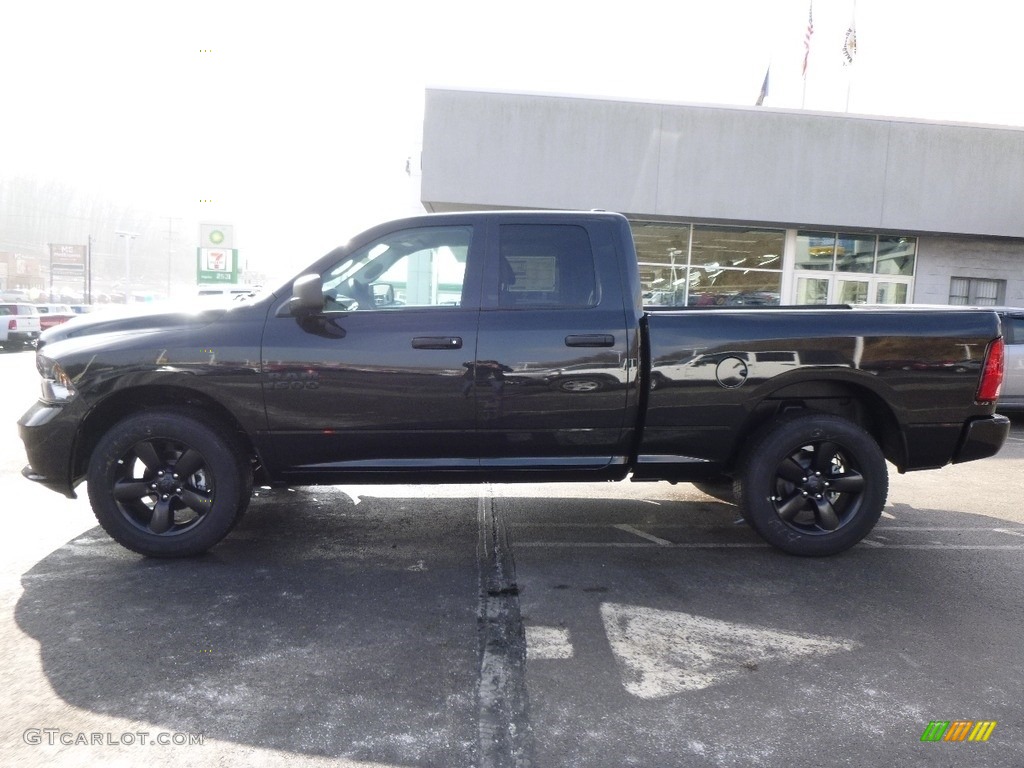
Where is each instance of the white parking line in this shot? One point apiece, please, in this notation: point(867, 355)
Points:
point(640, 545)
point(878, 541)
point(642, 535)
point(880, 528)
point(547, 643)
point(1000, 547)
point(946, 528)
point(870, 544)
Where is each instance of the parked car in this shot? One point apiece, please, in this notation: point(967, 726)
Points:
point(233, 291)
point(19, 326)
point(81, 309)
point(1012, 396)
point(54, 314)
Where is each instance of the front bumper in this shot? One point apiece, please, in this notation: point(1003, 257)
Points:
point(982, 438)
point(49, 433)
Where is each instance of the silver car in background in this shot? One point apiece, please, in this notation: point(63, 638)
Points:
point(1012, 396)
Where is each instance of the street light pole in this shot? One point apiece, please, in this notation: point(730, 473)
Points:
point(128, 237)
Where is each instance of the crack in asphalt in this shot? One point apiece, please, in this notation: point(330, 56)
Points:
point(505, 735)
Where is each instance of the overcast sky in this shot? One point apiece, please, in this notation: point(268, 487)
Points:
point(296, 118)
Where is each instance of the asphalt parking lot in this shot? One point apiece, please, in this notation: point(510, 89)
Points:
point(533, 625)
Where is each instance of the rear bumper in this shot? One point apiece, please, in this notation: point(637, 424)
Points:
point(22, 337)
point(982, 438)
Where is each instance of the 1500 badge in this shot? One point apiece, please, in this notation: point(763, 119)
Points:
point(293, 379)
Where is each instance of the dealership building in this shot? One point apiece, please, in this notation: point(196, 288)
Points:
point(751, 205)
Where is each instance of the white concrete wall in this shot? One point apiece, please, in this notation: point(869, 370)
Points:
point(788, 168)
point(941, 258)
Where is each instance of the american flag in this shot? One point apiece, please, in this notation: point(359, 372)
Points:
point(807, 37)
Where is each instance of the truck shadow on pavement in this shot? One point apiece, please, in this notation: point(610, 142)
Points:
point(306, 630)
point(324, 627)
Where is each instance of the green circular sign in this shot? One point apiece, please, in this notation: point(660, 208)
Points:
point(216, 237)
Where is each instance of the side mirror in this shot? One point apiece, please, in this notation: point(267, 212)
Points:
point(307, 297)
point(383, 294)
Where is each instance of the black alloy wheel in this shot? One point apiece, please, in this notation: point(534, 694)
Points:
point(168, 485)
point(812, 484)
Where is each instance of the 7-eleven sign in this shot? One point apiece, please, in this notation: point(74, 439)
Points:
point(217, 265)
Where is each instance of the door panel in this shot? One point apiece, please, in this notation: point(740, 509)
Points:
point(383, 377)
point(555, 363)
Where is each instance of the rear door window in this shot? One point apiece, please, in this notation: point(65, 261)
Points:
point(546, 265)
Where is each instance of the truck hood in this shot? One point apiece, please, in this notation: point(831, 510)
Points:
point(121, 321)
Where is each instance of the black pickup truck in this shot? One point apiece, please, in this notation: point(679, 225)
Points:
point(502, 347)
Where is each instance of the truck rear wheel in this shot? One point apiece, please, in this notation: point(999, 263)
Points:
point(812, 484)
point(166, 484)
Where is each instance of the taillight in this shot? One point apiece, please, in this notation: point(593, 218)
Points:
point(12, 325)
point(991, 374)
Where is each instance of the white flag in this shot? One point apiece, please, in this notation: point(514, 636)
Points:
point(850, 44)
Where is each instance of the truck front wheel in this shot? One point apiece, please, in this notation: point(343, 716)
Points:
point(168, 484)
point(812, 484)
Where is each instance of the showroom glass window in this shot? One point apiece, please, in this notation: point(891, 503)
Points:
point(705, 265)
point(853, 268)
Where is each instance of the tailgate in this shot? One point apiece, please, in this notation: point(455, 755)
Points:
point(23, 323)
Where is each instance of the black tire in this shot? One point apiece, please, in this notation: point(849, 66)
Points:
point(139, 498)
point(812, 484)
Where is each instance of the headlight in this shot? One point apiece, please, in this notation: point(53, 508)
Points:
point(57, 385)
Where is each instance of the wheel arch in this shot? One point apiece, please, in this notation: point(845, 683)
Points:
point(853, 401)
point(124, 403)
